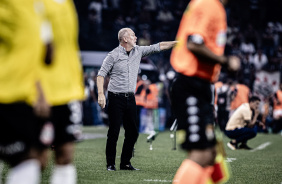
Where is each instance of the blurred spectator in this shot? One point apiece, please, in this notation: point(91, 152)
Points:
point(266, 112)
point(268, 40)
point(235, 46)
point(279, 53)
point(277, 111)
point(246, 75)
point(119, 22)
point(165, 16)
point(242, 94)
point(131, 19)
point(251, 34)
point(247, 46)
point(145, 38)
point(225, 95)
point(140, 94)
point(170, 75)
point(97, 120)
point(151, 98)
point(144, 19)
point(95, 12)
point(95, 21)
point(91, 109)
point(87, 112)
point(114, 4)
point(232, 33)
point(259, 60)
point(150, 5)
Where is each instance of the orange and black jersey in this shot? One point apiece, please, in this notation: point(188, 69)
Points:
point(206, 18)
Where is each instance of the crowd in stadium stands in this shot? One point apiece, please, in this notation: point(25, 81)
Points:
point(254, 34)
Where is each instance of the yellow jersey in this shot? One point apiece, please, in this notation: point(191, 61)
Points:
point(62, 80)
point(20, 48)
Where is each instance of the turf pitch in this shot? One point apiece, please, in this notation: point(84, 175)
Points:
point(262, 165)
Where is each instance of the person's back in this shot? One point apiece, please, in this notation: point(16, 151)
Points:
point(63, 79)
point(197, 58)
point(212, 29)
point(20, 35)
point(21, 51)
point(62, 82)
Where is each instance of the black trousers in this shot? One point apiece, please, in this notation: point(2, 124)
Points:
point(222, 119)
point(191, 99)
point(121, 109)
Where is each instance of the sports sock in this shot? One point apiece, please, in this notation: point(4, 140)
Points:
point(64, 174)
point(27, 172)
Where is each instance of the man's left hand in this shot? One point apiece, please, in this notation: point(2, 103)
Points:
point(102, 100)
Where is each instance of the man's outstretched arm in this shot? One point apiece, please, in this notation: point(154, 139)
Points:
point(167, 45)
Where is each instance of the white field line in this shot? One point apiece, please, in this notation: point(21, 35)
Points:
point(156, 180)
point(230, 159)
point(87, 136)
point(261, 147)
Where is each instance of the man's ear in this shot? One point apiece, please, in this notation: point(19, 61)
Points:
point(125, 39)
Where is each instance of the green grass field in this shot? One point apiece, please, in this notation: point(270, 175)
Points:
point(262, 165)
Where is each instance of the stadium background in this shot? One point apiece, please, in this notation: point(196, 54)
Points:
point(254, 27)
point(99, 22)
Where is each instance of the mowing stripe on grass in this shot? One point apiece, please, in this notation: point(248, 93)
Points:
point(156, 180)
point(261, 147)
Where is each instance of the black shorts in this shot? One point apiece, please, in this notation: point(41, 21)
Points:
point(20, 130)
point(191, 99)
point(66, 120)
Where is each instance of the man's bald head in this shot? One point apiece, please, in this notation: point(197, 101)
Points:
point(123, 32)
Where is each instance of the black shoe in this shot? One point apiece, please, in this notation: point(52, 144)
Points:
point(111, 168)
point(244, 146)
point(128, 167)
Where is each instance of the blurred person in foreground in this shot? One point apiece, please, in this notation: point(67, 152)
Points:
point(23, 140)
point(241, 126)
point(122, 64)
point(62, 82)
point(197, 59)
point(276, 99)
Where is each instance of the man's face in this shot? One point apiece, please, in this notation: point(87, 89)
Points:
point(131, 38)
point(254, 105)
